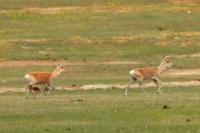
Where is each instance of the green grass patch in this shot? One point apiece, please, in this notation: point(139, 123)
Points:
point(110, 34)
point(102, 111)
point(107, 50)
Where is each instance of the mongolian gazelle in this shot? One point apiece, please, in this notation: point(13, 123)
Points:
point(152, 73)
point(42, 79)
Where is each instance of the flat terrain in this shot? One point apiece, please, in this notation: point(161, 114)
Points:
point(177, 111)
point(99, 42)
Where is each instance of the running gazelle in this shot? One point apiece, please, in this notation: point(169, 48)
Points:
point(43, 79)
point(153, 73)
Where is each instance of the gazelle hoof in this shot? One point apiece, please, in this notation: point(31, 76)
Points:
point(159, 92)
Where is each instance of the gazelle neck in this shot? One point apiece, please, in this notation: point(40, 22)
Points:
point(161, 68)
point(55, 73)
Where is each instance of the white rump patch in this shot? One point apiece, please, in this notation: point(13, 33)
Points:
point(27, 76)
point(132, 72)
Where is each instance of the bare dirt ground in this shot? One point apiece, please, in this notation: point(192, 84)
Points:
point(183, 72)
point(110, 86)
point(50, 63)
point(181, 1)
point(53, 10)
point(135, 85)
point(190, 55)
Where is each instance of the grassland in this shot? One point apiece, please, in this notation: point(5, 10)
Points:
point(102, 111)
point(140, 31)
point(117, 30)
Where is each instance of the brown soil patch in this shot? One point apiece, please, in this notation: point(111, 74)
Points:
point(52, 10)
point(5, 43)
point(183, 72)
point(190, 55)
point(124, 86)
point(51, 63)
point(111, 86)
point(4, 90)
point(181, 1)
point(161, 37)
point(26, 40)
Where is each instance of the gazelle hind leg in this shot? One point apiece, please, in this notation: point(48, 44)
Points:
point(27, 89)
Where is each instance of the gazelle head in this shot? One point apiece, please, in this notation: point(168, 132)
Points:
point(165, 64)
point(59, 68)
point(57, 71)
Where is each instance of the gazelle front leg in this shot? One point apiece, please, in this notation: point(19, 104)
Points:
point(158, 83)
point(45, 88)
point(42, 89)
point(50, 88)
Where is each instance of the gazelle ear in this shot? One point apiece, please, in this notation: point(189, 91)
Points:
point(165, 57)
point(58, 66)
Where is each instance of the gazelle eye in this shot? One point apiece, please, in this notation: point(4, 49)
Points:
point(167, 61)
